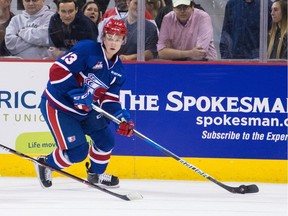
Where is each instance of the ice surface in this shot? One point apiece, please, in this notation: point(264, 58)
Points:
point(25, 197)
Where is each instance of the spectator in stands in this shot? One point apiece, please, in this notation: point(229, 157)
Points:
point(5, 17)
point(153, 7)
point(120, 11)
point(92, 10)
point(68, 26)
point(186, 34)
point(166, 9)
point(128, 51)
point(27, 33)
point(241, 30)
point(277, 46)
point(101, 4)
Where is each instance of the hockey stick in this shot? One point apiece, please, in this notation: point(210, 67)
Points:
point(128, 197)
point(242, 189)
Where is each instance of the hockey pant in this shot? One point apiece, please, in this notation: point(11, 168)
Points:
point(72, 146)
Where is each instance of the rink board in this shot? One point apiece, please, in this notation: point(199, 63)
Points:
point(230, 119)
point(139, 167)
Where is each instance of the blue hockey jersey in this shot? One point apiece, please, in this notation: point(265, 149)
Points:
point(85, 64)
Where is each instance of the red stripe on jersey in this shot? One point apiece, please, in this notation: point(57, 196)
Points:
point(58, 158)
point(53, 120)
point(57, 73)
point(99, 157)
point(108, 97)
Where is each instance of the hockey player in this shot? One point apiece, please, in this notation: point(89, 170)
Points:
point(89, 73)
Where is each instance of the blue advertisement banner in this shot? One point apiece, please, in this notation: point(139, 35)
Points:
point(207, 110)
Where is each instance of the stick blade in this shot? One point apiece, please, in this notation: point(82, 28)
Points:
point(252, 188)
point(134, 196)
point(243, 189)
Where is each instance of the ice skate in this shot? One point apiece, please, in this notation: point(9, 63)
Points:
point(103, 180)
point(44, 174)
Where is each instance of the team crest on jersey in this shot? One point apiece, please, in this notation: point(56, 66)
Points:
point(93, 82)
point(95, 85)
point(98, 66)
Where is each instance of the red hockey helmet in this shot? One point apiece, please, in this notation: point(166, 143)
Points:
point(114, 26)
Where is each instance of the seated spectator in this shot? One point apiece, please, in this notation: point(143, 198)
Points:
point(128, 51)
point(166, 9)
point(240, 37)
point(186, 34)
point(153, 7)
point(68, 26)
point(120, 11)
point(102, 4)
point(5, 17)
point(92, 10)
point(27, 33)
point(277, 46)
